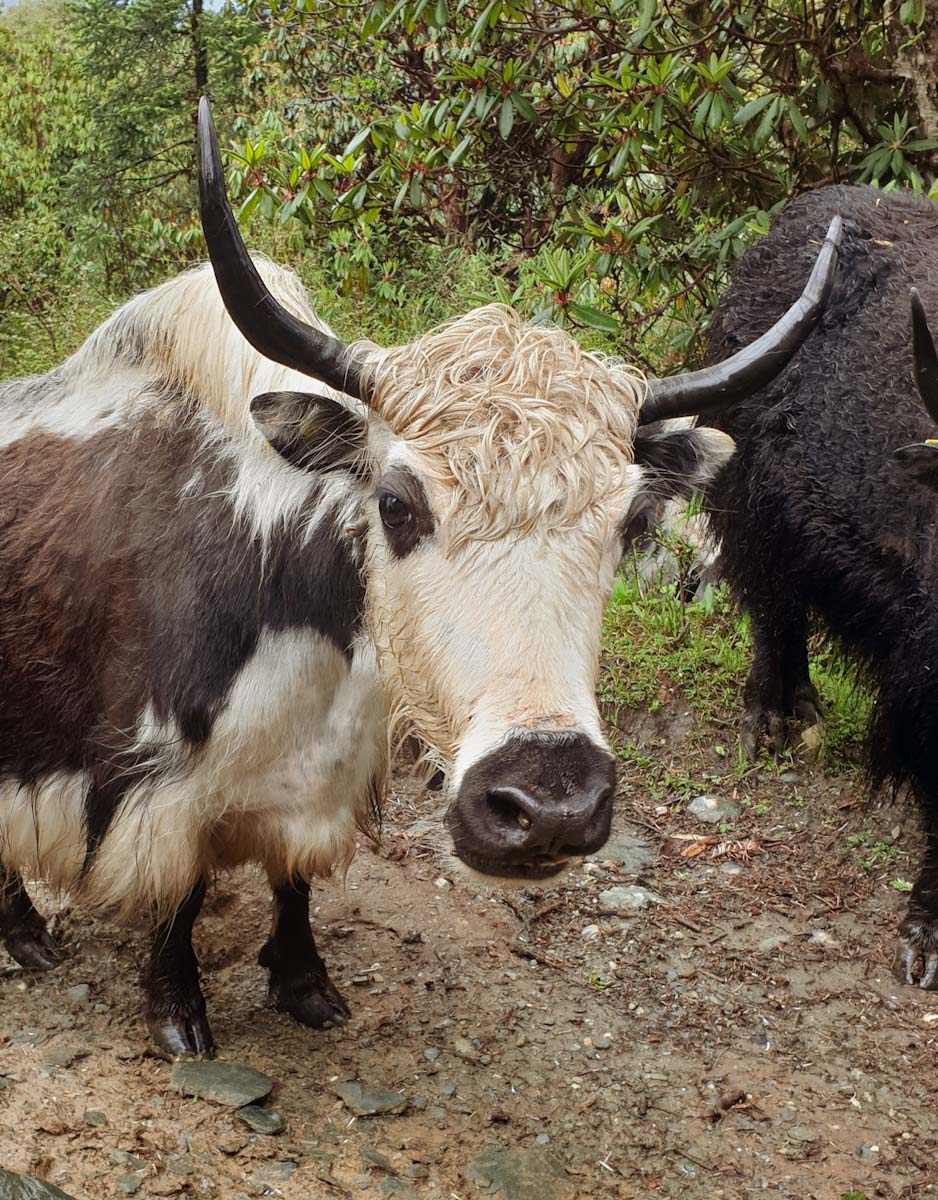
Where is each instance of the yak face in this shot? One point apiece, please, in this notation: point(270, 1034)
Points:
point(501, 479)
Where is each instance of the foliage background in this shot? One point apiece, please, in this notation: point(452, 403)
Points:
point(600, 163)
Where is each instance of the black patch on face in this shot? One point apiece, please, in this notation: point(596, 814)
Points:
point(125, 579)
point(404, 510)
point(313, 433)
point(671, 462)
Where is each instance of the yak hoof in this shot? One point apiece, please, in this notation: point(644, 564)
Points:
point(311, 1000)
point(916, 960)
point(33, 949)
point(758, 723)
point(187, 1037)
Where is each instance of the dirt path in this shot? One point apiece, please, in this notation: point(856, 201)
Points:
point(742, 1038)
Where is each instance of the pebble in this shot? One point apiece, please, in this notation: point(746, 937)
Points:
point(261, 1120)
point(275, 1173)
point(810, 741)
point(632, 855)
point(774, 941)
point(25, 1187)
point(589, 933)
point(129, 1184)
point(374, 1158)
point(602, 1041)
point(223, 1083)
point(465, 1049)
point(533, 1174)
point(64, 1056)
point(627, 899)
point(27, 1037)
point(790, 777)
point(123, 1158)
point(713, 810)
point(731, 868)
point(78, 994)
point(94, 1116)
point(820, 937)
point(394, 1187)
point(367, 1102)
point(442, 883)
point(231, 1143)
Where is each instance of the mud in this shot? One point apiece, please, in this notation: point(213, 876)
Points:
point(744, 1038)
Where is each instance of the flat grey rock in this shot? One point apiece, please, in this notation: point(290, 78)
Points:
point(25, 1187)
point(627, 899)
point(261, 1120)
point(713, 809)
point(223, 1083)
point(369, 1102)
point(631, 854)
point(533, 1174)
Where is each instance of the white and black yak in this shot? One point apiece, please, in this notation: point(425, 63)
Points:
point(216, 587)
point(817, 513)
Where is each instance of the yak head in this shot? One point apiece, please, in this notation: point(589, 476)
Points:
point(504, 470)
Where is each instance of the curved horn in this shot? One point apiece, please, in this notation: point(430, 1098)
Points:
point(924, 357)
point(714, 388)
point(266, 324)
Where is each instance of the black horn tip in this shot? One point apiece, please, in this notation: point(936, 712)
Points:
point(714, 388)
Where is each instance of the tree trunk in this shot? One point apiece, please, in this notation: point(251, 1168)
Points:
point(918, 65)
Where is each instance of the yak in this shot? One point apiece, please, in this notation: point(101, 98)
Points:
point(219, 590)
point(826, 507)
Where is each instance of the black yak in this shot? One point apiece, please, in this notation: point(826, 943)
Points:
point(816, 513)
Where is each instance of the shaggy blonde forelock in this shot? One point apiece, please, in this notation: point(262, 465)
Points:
point(515, 422)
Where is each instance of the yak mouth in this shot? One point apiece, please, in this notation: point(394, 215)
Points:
point(534, 869)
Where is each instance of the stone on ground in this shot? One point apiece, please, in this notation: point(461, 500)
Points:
point(368, 1102)
point(713, 809)
point(25, 1187)
point(223, 1083)
point(533, 1174)
point(627, 899)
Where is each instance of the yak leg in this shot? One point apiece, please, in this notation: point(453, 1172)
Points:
point(916, 960)
point(22, 929)
point(173, 1004)
point(779, 684)
point(299, 982)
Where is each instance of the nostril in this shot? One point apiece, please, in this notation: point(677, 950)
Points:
point(605, 796)
point(511, 806)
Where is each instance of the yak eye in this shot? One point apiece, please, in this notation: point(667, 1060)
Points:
point(394, 512)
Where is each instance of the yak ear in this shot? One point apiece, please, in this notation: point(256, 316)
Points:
point(674, 462)
point(313, 433)
point(919, 462)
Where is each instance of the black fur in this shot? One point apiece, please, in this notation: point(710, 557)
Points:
point(813, 511)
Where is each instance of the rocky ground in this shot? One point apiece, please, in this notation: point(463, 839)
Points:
point(704, 1011)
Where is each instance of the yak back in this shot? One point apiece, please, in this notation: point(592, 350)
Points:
point(812, 512)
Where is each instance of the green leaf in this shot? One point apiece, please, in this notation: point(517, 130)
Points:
point(459, 152)
point(524, 107)
point(506, 117)
point(250, 204)
point(587, 315)
point(797, 120)
point(357, 141)
point(752, 109)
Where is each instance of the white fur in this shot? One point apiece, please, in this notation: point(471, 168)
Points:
point(285, 780)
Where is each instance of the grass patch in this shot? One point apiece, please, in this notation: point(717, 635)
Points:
point(654, 638)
